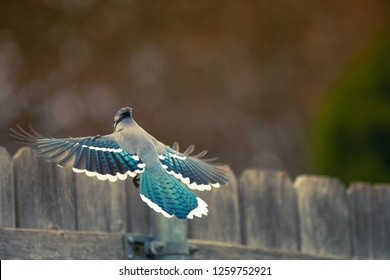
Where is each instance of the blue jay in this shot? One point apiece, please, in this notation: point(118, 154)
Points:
point(164, 173)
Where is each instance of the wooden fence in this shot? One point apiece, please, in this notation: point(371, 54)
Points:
point(48, 212)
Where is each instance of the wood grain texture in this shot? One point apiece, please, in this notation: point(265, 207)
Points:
point(223, 220)
point(212, 250)
point(360, 208)
point(324, 216)
point(45, 193)
point(138, 212)
point(59, 245)
point(101, 205)
point(31, 244)
point(381, 221)
point(7, 198)
point(269, 210)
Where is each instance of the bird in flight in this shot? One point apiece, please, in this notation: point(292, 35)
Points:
point(163, 174)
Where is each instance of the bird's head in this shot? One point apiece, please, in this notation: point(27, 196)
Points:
point(121, 116)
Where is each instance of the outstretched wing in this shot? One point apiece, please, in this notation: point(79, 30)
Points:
point(195, 172)
point(99, 156)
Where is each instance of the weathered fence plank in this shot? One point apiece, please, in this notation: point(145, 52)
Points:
point(324, 217)
point(101, 205)
point(7, 199)
point(58, 245)
point(138, 212)
point(360, 209)
point(223, 220)
point(269, 210)
point(45, 193)
point(381, 221)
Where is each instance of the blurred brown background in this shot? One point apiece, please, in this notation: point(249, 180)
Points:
point(242, 79)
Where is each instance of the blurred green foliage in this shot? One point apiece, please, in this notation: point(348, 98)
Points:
point(351, 133)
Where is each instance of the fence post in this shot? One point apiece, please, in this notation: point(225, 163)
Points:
point(169, 238)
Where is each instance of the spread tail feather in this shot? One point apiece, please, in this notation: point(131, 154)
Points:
point(165, 194)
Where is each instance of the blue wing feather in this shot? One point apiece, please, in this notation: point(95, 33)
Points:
point(99, 156)
point(195, 172)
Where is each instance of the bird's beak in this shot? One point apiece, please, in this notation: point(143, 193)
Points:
point(115, 123)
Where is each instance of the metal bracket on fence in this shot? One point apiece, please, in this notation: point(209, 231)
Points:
point(141, 247)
